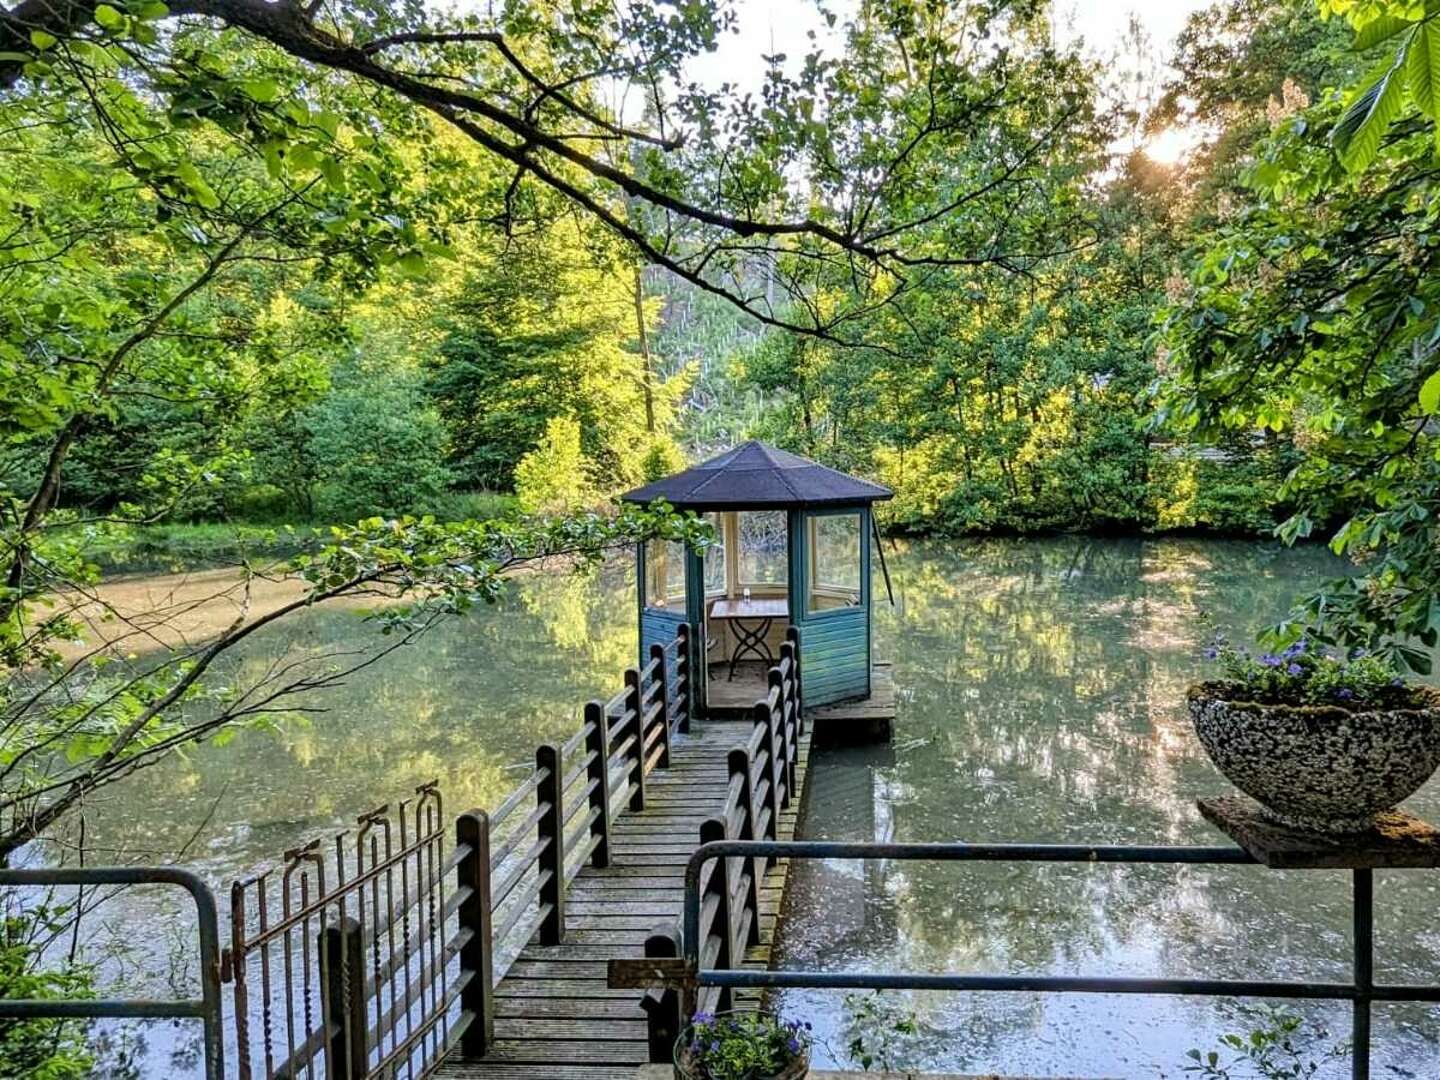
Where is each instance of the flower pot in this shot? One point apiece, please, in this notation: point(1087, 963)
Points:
point(746, 1022)
point(1319, 767)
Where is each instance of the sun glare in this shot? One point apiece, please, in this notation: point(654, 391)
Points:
point(1170, 146)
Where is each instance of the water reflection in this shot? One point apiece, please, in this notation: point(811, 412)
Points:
point(1042, 700)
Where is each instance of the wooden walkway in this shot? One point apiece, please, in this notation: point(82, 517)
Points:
point(556, 1017)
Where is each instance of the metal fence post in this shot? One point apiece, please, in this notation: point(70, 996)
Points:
point(551, 827)
point(342, 950)
point(685, 668)
point(662, 1004)
point(662, 676)
point(597, 748)
point(637, 766)
point(472, 831)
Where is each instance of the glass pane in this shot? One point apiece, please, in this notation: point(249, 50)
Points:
point(762, 548)
point(665, 574)
point(715, 557)
point(834, 562)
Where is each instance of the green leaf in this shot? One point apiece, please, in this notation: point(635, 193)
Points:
point(1377, 30)
point(108, 17)
point(261, 90)
point(41, 40)
point(1430, 393)
point(1424, 70)
point(1366, 118)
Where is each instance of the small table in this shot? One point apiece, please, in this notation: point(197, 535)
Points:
point(761, 614)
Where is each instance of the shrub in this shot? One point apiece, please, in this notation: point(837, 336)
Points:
point(551, 478)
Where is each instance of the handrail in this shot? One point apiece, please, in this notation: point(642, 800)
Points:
point(206, 1008)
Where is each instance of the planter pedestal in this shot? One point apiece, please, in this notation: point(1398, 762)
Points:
point(1398, 840)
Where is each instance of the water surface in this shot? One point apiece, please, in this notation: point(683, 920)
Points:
point(1042, 686)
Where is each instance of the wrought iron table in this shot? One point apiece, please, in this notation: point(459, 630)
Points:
point(750, 639)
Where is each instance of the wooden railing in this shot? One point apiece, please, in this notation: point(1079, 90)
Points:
point(373, 960)
point(762, 782)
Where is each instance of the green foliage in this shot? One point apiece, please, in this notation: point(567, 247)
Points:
point(1309, 675)
point(43, 1049)
point(377, 445)
point(882, 1030)
point(551, 477)
point(1277, 1048)
point(742, 1045)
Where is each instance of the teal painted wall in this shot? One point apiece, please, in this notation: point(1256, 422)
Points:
point(835, 644)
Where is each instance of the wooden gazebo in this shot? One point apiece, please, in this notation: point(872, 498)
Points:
point(793, 545)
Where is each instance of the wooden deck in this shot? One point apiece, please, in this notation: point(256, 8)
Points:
point(556, 1017)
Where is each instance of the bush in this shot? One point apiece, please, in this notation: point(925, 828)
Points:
point(551, 478)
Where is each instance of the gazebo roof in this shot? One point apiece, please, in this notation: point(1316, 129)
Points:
point(756, 476)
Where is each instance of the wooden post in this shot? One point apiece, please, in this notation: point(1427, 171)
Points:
point(551, 827)
point(788, 727)
point(343, 951)
point(792, 635)
point(662, 676)
point(637, 765)
point(765, 721)
point(472, 831)
point(739, 763)
point(597, 747)
point(780, 748)
point(685, 666)
point(662, 1004)
point(712, 829)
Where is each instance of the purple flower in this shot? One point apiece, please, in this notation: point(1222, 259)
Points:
point(1298, 649)
point(1270, 660)
point(794, 1046)
point(1294, 669)
point(1211, 653)
point(1345, 693)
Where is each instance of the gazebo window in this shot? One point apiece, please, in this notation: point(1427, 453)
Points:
point(834, 559)
point(665, 574)
point(763, 547)
point(715, 558)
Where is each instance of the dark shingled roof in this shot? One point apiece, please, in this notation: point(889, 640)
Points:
point(754, 475)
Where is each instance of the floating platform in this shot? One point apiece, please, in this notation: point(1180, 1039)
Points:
point(865, 719)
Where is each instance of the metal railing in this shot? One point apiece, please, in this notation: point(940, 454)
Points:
point(382, 959)
point(205, 1008)
point(762, 775)
point(700, 971)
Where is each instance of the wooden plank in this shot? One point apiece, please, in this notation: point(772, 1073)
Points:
point(557, 1016)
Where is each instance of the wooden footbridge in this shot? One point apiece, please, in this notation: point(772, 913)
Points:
point(483, 953)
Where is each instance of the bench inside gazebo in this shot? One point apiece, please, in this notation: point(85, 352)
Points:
point(793, 547)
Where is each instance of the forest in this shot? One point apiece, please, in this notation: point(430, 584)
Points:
point(443, 340)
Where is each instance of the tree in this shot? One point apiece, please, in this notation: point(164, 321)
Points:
point(551, 477)
point(1313, 311)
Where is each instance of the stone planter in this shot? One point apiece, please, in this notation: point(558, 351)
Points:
point(1319, 767)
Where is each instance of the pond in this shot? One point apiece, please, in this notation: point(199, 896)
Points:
point(1041, 699)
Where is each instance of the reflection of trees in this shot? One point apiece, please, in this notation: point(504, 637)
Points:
point(1042, 691)
point(468, 704)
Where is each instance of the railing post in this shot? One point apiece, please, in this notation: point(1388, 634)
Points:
point(597, 747)
point(637, 766)
point(551, 827)
point(788, 731)
point(739, 763)
point(472, 831)
point(685, 670)
point(792, 636)
point(713, 829)
point(765, 721)
point(662, 1004)
point(662, 676)
point(342, 949)
point(775, 719)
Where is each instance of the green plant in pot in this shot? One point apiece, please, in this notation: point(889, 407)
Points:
point(1322, 741)
point(743, 1046)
